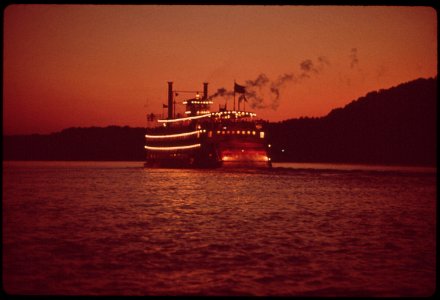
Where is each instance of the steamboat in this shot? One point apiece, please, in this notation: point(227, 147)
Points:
point(202, 138)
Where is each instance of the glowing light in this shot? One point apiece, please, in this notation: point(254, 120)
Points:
point(184, 119)
point(171, 135)
point(282, 150)
point(198, 102)
point(261, 134)
point(227, 114)
point(269, 145)
point(253, 132)
point(187, 112)
point(172, 148)
point(202, 112)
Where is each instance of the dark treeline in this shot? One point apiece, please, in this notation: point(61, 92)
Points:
point(93, 143)
point(393, 126)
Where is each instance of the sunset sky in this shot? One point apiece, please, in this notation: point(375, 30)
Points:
point(94, 65)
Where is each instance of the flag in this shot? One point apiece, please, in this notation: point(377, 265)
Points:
point(239, 88)
point(164, 106)
point(242, 98)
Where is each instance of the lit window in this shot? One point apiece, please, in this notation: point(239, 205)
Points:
point(261, 134)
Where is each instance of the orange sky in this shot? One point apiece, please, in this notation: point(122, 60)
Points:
point(93, 65)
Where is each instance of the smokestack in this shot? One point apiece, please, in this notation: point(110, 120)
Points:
point(170, 99)
point(205, 90)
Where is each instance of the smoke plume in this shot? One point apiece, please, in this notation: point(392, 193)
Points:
point(353, 58)
point(263, 93)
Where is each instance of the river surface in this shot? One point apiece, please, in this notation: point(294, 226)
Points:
point(116, 228)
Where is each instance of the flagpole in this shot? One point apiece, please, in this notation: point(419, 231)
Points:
point(234, 94)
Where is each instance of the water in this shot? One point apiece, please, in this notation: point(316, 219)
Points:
point(115, 228)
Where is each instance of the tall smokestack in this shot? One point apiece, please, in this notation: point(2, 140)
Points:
point(170, 99)
point(205, 90)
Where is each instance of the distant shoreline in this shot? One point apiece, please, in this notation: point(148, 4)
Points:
point(392, 127)
point(303, 165)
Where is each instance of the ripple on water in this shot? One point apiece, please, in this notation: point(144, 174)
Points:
point(117, 229)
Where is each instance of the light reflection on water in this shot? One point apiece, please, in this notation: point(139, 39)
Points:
point(115, 228)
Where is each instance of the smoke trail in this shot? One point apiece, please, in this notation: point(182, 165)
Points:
point(260, 81)
point(307, 67)
point(257, 100)
point(262, 87)
point(221, 92)
point(354, 59)
point(276, 86)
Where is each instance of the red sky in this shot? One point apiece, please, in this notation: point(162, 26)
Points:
point(93, 65)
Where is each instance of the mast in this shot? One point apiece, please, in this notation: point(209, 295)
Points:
point(234, 94)
point(170, 99)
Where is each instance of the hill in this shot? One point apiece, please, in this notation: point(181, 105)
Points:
point(392, 126)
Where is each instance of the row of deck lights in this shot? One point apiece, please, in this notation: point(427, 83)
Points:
point(227, 113)
point(175, 135)
point(236, 113)
point(198, 102)
point(198, 112)
point(173, 148)
point(236, 132)
point(243, 132)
